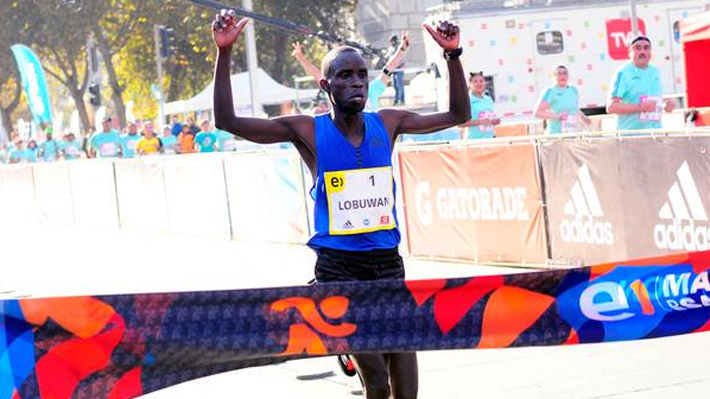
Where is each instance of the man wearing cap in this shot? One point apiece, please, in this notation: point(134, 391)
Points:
point(107, 142)
point(49, 149)
point(636, 90)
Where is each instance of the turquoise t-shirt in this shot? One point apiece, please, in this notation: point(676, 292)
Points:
point(106, 144)
point(374, 92)
point(170, 144)
point(206, 141)
point(481, 108)
point(226, 141)
point(634, 86)
point(49, 150)
point(23, 156)
point(562, 100)
point(71, 149)
point(128, 145)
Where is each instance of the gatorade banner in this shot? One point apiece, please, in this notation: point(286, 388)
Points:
point(34, 83)
point(473, 203)
point(123, 346)
point(633, 198)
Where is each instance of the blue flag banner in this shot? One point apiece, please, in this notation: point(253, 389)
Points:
point(34, 83)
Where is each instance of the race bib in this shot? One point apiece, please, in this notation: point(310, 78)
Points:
point(229, 145)
point(486, 115)
point(108, 149)
point(570, 124)
point(360, 200)
point(169, 151)
point(132, 144)
point(655, 115)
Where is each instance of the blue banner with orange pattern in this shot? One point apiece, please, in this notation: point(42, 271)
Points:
point(123, 346)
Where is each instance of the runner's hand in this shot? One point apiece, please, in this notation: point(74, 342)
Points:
point(446, 35)
point(226, 29)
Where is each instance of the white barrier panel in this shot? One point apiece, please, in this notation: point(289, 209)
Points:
point(19, 204)
point(94, 193)
point(141, 197)
point(266, 197)
point(197, 196)
point(53, 193)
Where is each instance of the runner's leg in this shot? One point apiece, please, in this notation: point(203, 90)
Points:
point(404, 375)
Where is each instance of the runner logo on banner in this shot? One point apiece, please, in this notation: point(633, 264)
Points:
point(585, 207)
point(680, 213)
point(360, 200)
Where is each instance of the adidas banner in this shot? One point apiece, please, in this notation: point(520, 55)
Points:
point(123, 346)
point(632, 198)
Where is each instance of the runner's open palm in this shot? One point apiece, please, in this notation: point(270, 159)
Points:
point(445, 35)
point(226, 29)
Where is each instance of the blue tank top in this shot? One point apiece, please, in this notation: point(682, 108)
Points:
point(334, 154)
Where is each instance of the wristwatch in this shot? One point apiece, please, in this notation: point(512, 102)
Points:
point(453, 54)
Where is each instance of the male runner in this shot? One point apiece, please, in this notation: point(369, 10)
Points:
point(349, 154)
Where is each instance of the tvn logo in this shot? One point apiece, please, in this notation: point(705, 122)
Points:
point(671, 292)
point(686, 227)
point(586, 225)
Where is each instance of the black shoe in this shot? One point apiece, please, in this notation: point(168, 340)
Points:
point(346, 365)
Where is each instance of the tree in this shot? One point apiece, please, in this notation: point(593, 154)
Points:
point(61, 29)
point(13, 32)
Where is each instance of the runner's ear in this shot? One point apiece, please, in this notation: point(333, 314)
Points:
point(323, 83)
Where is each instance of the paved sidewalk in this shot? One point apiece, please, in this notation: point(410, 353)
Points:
point(43, 261)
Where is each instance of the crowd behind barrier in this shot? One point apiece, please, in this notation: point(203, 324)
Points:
point(536, 201)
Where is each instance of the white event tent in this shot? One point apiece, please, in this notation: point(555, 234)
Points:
point(270, 92)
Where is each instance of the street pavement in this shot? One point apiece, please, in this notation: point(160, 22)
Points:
point(49, 261)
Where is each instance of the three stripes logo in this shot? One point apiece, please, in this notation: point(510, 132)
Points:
point(586, 210)
point(683, 209)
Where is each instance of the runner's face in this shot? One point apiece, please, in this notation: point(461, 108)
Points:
point(562, 76)
point(641, 53)
point(349, 83)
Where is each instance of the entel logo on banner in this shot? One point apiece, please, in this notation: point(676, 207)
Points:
point(585, 207)
point(496, 203)
point(609, 301)
point(619, 35)
point(683, 209)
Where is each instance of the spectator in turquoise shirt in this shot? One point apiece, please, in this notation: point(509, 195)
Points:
point(206, 141)
point(559, 105)
point(49, 150)
point(129, 141)
point(483, 117)
point(71, 147)
point(107, 142)
point(636, 91)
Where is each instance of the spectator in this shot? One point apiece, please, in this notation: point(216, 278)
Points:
point(397, 73)
point(226, 141)
point(19, 154)
point(49, 150)
point(636, 90)
point(107, 143)
point(193, 128)
point(148, 144)
point(86, 141)
point(187, 140)
point(206, 141)
point(14, 136)
point(175, 126)
point(32, 150)
point(559, 105)
point(129, 141)
point(483, 117)
point(71, 147)
point(169, 142)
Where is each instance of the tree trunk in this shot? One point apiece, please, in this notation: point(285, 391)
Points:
point(78, 97)
point(6, 113)
point(116, 91)
point(280, 51)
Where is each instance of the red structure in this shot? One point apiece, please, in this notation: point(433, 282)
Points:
point(695, 36)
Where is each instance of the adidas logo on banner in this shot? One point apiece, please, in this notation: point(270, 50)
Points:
point(586, 209)
point(683, 210)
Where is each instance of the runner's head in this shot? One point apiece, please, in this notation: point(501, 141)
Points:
point(148, 129)
point(167, 131)
point(345, 79)
point(640, 51)
point(562, 75)
point(476, 83)
point(48, 132)
point(205, 125)
point(132, 128)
